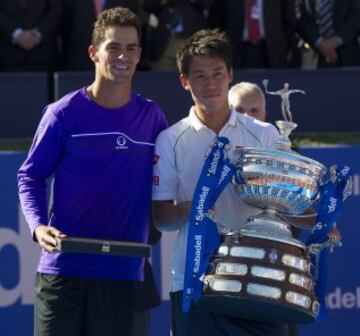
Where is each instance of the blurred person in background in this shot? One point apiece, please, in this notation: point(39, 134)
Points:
point(248, 98)
point(172, 22)
point(330, 30)
point(261, 31)
point(77, 24)
point(28, 34)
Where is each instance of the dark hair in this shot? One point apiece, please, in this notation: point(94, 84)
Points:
point(117, 16)
point(206, 42)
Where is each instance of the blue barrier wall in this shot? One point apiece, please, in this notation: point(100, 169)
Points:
point(343, 299)
point(22, 100)
point(18, 258)
point(330, 93)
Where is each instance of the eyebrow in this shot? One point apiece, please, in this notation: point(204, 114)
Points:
point(119, 44)
point(215, 69)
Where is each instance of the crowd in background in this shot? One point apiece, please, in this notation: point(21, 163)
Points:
point(54, 35)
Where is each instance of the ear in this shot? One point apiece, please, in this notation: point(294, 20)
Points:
point(139, 55)
point(93, 54)
point(184, 82)
point(231, 75)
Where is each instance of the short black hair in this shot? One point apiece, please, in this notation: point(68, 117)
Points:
point(206, 42)
point(116, 16)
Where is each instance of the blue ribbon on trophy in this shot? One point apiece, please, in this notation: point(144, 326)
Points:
point(332, 195)
point(203, 237)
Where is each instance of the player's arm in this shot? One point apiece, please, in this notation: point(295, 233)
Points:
point(169, 216)
point(45, 152)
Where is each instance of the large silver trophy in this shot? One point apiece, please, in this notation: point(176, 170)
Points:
point(262, 272)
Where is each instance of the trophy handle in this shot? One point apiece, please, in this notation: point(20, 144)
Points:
point(331, 243)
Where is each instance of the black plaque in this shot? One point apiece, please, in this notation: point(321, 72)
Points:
point(102, 246)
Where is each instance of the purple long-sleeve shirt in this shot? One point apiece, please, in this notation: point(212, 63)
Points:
point(101, 160)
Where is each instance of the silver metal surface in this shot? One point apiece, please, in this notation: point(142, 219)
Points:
point(298, 299)
point(300, 280)
point(265, 291)
point(296, 262)
point(231, 268)
point(281, 180)
point(247, 252)
point(224, 285)
point(223, 250)
point(331, 243)
point(268, 273)
point(315, 307)
point(268, 226)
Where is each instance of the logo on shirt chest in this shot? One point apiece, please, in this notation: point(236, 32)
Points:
point(121, 142)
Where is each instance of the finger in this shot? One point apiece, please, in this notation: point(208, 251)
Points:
point(55, 232)
point(49, 240)
point(49, 244)
point(46, 246)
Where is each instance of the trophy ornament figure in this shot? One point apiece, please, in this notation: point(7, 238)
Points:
point(285, 98)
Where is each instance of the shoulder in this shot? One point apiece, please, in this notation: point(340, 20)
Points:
point(65, 103)
point(145, 103)
point(254, 125)
point(265, 132)
point(151, 112)
point(177, 130)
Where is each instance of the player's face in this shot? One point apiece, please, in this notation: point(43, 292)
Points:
point(251, 104)
point(208, 81)
point(117, 56)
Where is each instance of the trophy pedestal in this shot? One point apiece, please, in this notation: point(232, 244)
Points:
point(268, 225)
point(261, 279)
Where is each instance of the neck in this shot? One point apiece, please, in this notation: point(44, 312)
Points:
point(215, 120)
point(109, 95)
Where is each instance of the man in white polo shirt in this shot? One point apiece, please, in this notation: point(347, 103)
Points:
point(204, 63)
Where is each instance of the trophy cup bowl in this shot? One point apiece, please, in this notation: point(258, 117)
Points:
point(262, 272)
point(273, 179)
point(280, 181)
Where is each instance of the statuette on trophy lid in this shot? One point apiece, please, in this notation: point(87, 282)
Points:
point(285, 126)
point(284, 93)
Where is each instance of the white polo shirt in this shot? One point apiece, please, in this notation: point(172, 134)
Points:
point(180, 153)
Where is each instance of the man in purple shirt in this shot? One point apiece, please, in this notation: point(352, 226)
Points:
point(98, 143)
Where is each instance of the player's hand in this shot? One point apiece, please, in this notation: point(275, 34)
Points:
point(27, 40)
point(335, 233)
point(46, 237)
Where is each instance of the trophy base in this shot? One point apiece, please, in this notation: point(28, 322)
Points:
point(261, 279)
point(257, 309)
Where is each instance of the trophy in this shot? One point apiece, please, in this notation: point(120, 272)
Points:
point(262, 272)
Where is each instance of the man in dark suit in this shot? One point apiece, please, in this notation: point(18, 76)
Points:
point(28, 31)
point(276, 22)
point(337, 45)
point(175, 21)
